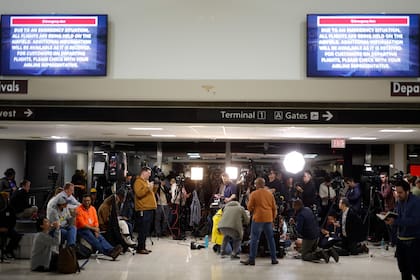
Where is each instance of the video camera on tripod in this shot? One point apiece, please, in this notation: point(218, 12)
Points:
point(281, 202)
point(180, 180)
point(337, 183)
point(399, 176)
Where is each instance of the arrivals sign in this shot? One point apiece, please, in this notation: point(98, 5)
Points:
point(13, 86)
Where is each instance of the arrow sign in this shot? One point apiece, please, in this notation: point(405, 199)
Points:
point(28, 112)
point(328, 116)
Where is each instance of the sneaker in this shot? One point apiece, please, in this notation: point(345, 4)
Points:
point(129, 241)
point(274, 261)
point(333, 253)
point(248, 262)
point(325, 256)
point(235, 256)
point(216, 248)
point(365, 249)
point(9, 255)
point(223, 255)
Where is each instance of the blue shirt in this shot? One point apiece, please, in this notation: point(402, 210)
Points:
point(229, 190)
point(307, 224)
point(355, 197)
point(408, 220)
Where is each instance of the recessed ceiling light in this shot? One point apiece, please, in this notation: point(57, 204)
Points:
point(57, 137)
point(397, 130)
point(193, 155)
point(163, 135)
point(310, 155)
point(146, 128)
point(363, 138)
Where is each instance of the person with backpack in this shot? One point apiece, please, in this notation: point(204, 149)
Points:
point(47, 238)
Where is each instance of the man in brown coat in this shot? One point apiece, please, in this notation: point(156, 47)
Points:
point(144, 204)
point(264, 210)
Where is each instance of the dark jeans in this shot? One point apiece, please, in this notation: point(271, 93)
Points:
point(161, 219)
point(15, 238)
point(69, 234)
point(98, 243)
point(408, 257)
point(256, 230)
point(230, 235)
point(143, 223)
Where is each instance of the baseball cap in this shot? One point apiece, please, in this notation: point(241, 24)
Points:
point(61, 201)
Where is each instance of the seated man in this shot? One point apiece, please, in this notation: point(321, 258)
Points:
point(88, 228)
point(62, 215)
point(66, 193)
point(7, 226)
point(45, 240)
point(108, 218)
point(284, 234)
point(330, 232)
point(20, 202)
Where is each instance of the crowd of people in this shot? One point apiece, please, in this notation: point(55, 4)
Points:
point(329, 219)
point(322, 219)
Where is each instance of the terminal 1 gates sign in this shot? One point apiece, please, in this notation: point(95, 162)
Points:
point(209, 115)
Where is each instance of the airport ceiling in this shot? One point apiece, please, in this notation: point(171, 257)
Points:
point(179, 142)
point(184, 132)
point(117, 124)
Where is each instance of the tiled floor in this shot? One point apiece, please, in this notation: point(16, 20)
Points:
point(173, 260)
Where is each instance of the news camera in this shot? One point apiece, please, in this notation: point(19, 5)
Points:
point(180, 180)
point(399, 176)
point(337, 183)
point(281, 202)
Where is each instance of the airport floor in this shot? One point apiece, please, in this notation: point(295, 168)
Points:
point(172, 259)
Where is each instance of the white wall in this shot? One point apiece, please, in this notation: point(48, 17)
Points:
point(217, 42)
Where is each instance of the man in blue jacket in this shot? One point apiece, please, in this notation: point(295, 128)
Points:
point(308, 229)
point(408, 229)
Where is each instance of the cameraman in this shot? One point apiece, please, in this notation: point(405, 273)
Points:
point(354, 194)
point(307, 190)
point(386, 193)
point(327, 195)
point(163, 198)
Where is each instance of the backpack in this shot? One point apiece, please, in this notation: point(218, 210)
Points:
point(83, 249)
point(67, 261)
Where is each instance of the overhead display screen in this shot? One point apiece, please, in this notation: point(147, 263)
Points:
point(363, 45)
point(54, 45)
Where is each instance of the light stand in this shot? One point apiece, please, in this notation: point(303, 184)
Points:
point(61, 149)
point(368, 214)
point(196, 175)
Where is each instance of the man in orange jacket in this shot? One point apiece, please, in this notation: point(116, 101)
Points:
point(88, 228)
